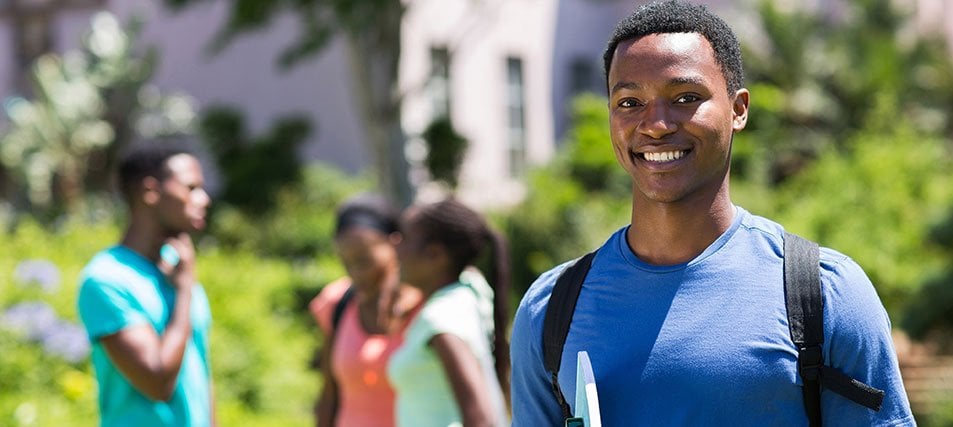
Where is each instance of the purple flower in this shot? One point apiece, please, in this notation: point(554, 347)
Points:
point(38, 271)
point(34, 319)
point(67, 341)
point(38, 322)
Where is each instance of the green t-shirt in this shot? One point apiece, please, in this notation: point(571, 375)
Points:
point(424, 394)
point(119, 288)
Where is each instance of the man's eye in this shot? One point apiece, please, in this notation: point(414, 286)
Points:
point(687, 99)
point(628, 103)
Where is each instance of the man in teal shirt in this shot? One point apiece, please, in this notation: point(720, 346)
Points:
point(146, 315)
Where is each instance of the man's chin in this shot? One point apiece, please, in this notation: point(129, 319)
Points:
point(198, 225)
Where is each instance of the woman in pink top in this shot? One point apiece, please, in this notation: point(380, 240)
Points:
point(356, 391)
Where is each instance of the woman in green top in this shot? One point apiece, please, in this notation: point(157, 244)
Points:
point(453, 366)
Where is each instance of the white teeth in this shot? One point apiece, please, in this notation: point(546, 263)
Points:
point(666, 156)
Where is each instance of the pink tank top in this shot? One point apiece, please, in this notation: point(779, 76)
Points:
point(358, 362)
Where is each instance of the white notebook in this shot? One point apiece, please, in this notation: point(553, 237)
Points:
point(587, 399)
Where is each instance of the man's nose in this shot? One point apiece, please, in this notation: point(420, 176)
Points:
point(657, 120)
point(202, 198)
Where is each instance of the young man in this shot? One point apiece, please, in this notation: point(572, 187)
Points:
point(683, 311)
point(146, 315)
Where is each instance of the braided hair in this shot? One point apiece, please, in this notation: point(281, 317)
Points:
point(467, 237)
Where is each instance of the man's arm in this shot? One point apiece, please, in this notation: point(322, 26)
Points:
point(859, 342)
point(533, 401)
point(150, 361)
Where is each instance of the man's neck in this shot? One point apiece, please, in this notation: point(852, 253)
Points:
point(144, 240)
point(675, 233)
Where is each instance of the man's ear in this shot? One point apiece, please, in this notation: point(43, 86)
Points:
point(739, 107)
point(150, 190)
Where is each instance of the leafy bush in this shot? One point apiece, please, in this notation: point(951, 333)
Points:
point(299, 224)
point(87, 105)
point(40, 386)
point(261, 339)
point(876, 202)
point(574, 203)
point(254, 169)
point(445, 150)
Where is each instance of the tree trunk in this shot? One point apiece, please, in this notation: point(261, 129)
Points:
point(374, 54)
point(69, 181)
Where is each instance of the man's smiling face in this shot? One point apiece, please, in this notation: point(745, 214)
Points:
point(671, 117)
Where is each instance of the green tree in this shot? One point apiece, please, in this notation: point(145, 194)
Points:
point(847, 141)
point(89, 104)
point(372, 31)
point(876, 202)
point(254, 169)
point(572, 204)
point(812, 77)
point(445, 151)
point(928, 313)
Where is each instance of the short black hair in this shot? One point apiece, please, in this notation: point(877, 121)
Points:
point(674, 16)
point(143, 160)
point(367, 210)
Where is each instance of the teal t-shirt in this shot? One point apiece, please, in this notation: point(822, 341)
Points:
point(119, 288)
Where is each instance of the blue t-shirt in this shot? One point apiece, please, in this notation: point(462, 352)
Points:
point(706, 342)
point(119, 288)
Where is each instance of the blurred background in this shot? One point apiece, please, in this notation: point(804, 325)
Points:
point(296, 105)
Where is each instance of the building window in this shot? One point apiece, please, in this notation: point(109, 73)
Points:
point(33, 30)
point(439, 84)
point(581, 76)
point(516, 117)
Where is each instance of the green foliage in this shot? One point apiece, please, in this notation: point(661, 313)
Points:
point(574, 203)
point(876, 202)
point(372, 30)
point(812, 79)
point(588, 155)
point(255, 169)
point(39, 387)
point(260, 344)
point(928, 314)
point(87, 104)
point(445, 150)
point(262, 336)
point(319, 21)
point(301, 222)
point(941, 416)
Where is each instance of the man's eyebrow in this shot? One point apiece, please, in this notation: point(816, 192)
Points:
point(679, 81)
point(675, 81)
point(625, 85)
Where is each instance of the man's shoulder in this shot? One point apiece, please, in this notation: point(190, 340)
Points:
point(833, 263)
point(113, 268)
point(843, 280)
point(537, 296)
point(103, 265)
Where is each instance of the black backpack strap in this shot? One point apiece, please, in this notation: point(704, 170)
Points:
point(562, 304)
point(339, 309)
point(805, 308)
point(335, 320)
